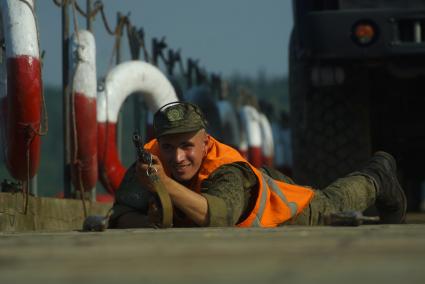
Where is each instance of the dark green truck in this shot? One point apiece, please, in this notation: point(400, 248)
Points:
point(357, 85)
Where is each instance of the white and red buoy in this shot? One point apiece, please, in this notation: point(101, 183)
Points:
point(24, 87)
point(267, 145)
point(250, 120)
point(123, 80)
point(84, 168)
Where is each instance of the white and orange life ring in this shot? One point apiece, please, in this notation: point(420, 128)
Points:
point(84, 123)
point(24, 87)
point(250, 120)
point(123, 80)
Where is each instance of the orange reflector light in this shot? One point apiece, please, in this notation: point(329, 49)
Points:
point(364, 33)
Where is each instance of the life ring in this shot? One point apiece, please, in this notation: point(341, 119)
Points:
point(243, 144)
point(24, 86)
point(267, 145)
point(123, 80)
point(83, 119)
point(250, 120)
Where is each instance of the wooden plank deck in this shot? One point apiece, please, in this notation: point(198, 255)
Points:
point(290, 254)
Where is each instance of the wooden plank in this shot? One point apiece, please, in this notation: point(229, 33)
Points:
point(290, 254)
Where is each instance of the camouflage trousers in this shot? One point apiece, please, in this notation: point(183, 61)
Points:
point(355, 192)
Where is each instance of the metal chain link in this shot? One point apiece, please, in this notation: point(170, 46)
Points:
point(59, 3)
point(99, 5)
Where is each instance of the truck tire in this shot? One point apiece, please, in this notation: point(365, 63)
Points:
point(330, 125)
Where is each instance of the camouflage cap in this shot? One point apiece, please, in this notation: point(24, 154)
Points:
point(178, 117)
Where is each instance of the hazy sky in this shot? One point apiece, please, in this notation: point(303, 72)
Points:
point(227, 36)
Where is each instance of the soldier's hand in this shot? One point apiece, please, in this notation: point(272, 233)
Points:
point(145, 172)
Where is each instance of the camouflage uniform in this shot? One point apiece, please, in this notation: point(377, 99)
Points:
point(231, 189)
point(230, 192)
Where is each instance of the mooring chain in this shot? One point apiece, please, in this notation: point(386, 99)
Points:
point(135, 36)
point(86, 14)
point(136, 40)
point(59, 3)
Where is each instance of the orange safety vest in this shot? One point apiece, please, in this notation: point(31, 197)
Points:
point(277, 201)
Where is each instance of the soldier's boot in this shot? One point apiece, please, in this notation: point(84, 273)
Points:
point(390, 198)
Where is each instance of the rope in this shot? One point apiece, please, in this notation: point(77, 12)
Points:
point(30, 135)
point(25, 187)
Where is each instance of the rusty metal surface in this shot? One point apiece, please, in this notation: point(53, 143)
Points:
point(365, 254)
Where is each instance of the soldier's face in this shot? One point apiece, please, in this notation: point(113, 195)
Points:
point(183, 153)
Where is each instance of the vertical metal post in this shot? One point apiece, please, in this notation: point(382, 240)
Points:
point(154, 52)
point(417, 31)
point(66, 100)
point(90, 28)
point(117, 61)
point(88, 19)
point(136, 97)
point(189, 73)
point(34, 186)
point(137, 113)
